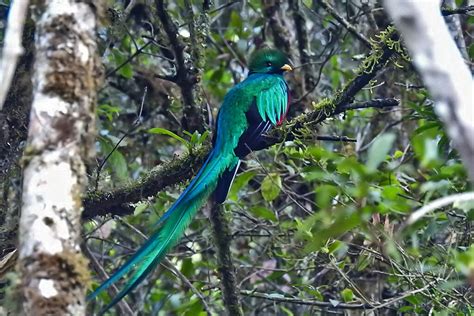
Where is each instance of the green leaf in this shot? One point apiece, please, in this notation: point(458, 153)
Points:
point(325, 193)
point(163, 131)
point(347, 295)
point(108, 111)
point(240, 181)
point(263, 212)
point(337, 246)
point(379, 150)
point(344, 220)
point(116, 162)
point(119, 58)
point(303, 229)
point(471, 51)
point(126, 71)
point(405, 309)
point(286, 310)
point(397, 154)
point(140, 207)
point(271, 187)
point(187, 267)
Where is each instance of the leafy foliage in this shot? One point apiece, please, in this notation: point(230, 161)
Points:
point(311, 220)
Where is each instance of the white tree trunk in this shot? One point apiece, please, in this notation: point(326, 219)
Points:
point(54, 273)
point(12, 48)
point(442, 68)
point(454, 26)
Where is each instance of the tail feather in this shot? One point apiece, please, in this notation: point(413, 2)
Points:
point(185, 192)
point(132, 284)
point(224, 184)
point(175, 222)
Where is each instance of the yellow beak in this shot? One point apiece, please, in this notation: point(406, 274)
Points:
point(286, 67)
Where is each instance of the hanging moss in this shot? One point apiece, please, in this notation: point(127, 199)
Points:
point(386, 39)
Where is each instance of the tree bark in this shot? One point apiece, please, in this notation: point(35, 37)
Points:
point(54, 274)
point(454, 25)
point(223, 237)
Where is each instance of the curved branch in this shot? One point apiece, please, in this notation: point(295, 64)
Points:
point(361, 37)
point(183, 168)
point(187, 73)
point(180, 169)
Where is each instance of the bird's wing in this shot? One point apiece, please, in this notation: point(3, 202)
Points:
point(272, 103)
point(268, 108)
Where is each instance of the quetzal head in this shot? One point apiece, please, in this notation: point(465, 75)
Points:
point(269, 61)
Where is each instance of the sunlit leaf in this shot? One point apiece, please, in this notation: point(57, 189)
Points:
point(163, 131)
point(271, 187)
point(379, 150)
point(347, 295)
point(116, 161)
point(264, 213)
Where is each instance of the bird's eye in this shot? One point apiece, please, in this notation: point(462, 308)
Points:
point(269, 63)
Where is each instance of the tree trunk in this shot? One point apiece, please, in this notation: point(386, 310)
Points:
point(54, 274)
point(442, 69)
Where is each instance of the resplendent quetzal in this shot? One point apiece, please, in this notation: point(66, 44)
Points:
point(249, 110)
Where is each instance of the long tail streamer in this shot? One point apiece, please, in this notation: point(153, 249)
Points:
point(173, 224)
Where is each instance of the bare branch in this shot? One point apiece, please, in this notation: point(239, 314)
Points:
point(338, 305)
point(436, 204)
point(278, 25)
point(345, 23)
point(180, 169)
point(301, 301)
point(171, 267)
point(462, 10)
point(187, 75)
point(222, 238)
point(122, 306)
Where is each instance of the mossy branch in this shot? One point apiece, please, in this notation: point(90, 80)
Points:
point(181, 169)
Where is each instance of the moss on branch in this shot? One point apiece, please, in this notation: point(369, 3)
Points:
point(180, 169)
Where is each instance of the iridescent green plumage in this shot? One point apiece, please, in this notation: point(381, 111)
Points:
point(248, 111)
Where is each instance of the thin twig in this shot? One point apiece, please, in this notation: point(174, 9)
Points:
point(129, 59)
point(348, 280)
point(122, 305)
point(300, 301)
point(128, 9)
point(8, 262)
point(398, 298)
point(345, 23)
point(169, 265)
point(135, 125)
point(336, 138)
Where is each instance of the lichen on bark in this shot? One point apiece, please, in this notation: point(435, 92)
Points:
point(54, 274)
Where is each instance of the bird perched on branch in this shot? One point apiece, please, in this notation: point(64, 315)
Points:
point(248, 112)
